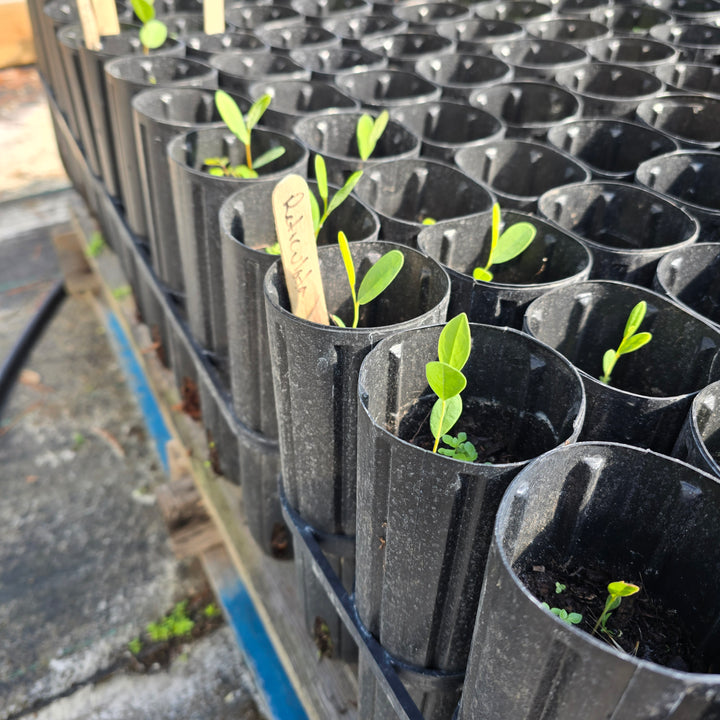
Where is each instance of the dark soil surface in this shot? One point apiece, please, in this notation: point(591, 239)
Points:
point(499, 433)
point(641, 626)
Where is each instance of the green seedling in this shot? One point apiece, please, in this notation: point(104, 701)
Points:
point(376, 280)
point(78, 440)
point(513, 242)
point(121, 292)
point(211, 610)
point(135, 646)
point(616, 592)
point(459, 448)
point(95, 245)
point(429, 221)
point(338, 198)
point(241, 126)
point(176, 624)
point(571, 618)
point(560, 588)
point(445, 376)
point(153, 32)
point(369, 131)
point(631, 341)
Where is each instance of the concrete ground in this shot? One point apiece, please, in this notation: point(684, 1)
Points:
point(85, 562)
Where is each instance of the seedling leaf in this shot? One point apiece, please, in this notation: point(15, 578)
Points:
point(268, 156)
point(153, 34)
point(344, 191)
point(243, 171)
point(513, 242)
point(429, 221)
point(337, 321)
point(347, 260)
point(144, 10)
point(453, 411)
point(378, 128)
point(314, 212)
point(321, 178)
point(622, 589)
point(232, 117)
point(379, 276)
point(608, 361)
point(256, 111)
point(216, 171)
point(482, 274)
point(363, 132)
point(634, 342)
point(637, 315)
point(444, 380)
point(454, 342)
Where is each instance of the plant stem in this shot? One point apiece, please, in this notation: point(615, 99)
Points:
point(442, 418)
point(356, 315)
point(248, 157)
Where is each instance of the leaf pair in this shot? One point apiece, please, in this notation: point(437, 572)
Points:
point(459, 448)
point(376, 280)
point(153, 33)
point(337, 199)
point(445, 377)
point(513, 242)
point(369, 131)
point(616, 592)
point(630, 341)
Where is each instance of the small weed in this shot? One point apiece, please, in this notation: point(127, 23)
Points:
point(95, 245)
point(211, 610)
point(121, 292)
point(560, 588)
point(176, 624)
point(572, 618)
point(631, 340)
point(460, 448)
point(135, 646)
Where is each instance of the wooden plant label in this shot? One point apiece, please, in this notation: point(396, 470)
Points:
point(214, 17)
point(298, 250)
point(88, 21)
point(107, 17)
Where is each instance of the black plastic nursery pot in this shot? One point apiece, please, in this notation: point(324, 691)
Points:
point(699, 439)
point(627, 228)
point(404, 193)
point(518, 172)
point(577, 31)
point(315, 369)
point(446, 127)
point(692, 120)
point(651, 389)
point(425, 520)
point(697, 43)
point(688, 178)
point(426, 16)
point(460, 74)
point(92, 63)
point(536, 59)
point(315, 11)
point(237, 71)
point(554, 258)
point(197, 197)
point(611, 148)
point(403, 50)
point(528, 109)
point(692, 11)
point(577, 8)
point(294, 37)
point(333, 135)
point(126, 77)
point(380, 89)
point(158, 116)
point(518, 11)
point(181, 24)
point(250, 16)
point(630, 19)
point(477, 35)
point(248, 228)
point(691, 277)
point(293, 100)
point(329, 63)
point(612, 513)
point(634, 51)
point(351, 30)
point(609, 90)
point(691, 78)
point(202, 46)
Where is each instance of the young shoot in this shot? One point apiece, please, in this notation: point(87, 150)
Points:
point(631, 340)
point(338, 198)
point(376, 280)
point(241, 126)
point(153, 32)
point(513, 241)
point(459, 448)
point(571, 618)
point(369, 131)
point(616, 592)
point(445, 376)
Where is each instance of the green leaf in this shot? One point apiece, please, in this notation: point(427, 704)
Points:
point(482, 274)
point(429, 221)
point(495, 234)
point(622, 589)
point(144, 10)
point(574, 618)
point(363, 132)
point(216, 161)
point(216, 171)
point(321, 178)
point(378, 129)
point(256, 111)
point(637, 315)
point(450, 440)
point(243, 171)
point(268, 156)
point(315, 213)
point(379, 276)
point(455, 341)
point(231, 116)
point(513, 242)
point(444, 380)
point(467, 452)
point(337, 321)
point(453, 411)
point(153, 34)
point(344, 191)
point(559, 588)
point(273, 249)
point(347, 259)
point(633, 343)
point(609, 359)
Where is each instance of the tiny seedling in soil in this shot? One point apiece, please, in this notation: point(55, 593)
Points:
point(445, 377)
point(571, 618)
point(459, 448)
point(174, 625)
point(153, 32)
point(616, 592)
point(376, 280)
point(631, 341)
point(560, 588)
point(369, 131)
point(95, 245)
point(241, 126)
point(513, 242)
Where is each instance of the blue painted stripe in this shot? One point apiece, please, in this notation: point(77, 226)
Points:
point(260, 654)
point(138, 384)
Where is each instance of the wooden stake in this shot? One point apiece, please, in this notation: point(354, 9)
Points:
point(214, 17)
point(107, 17)
point(298, 249)
point(91, 32)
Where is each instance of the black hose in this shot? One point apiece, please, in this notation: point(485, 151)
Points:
point(14, 362)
